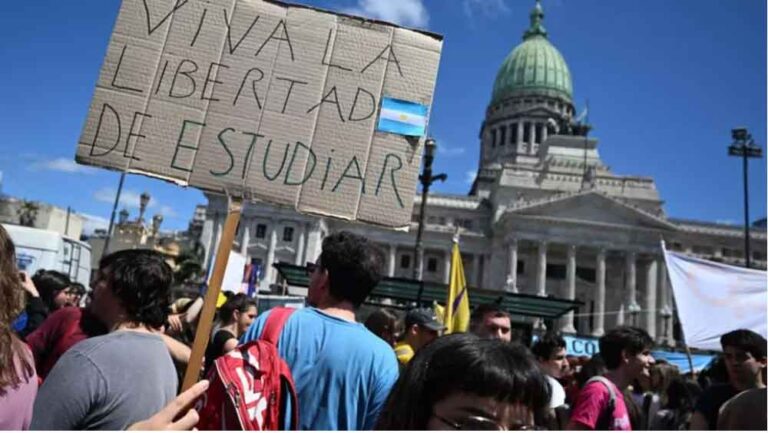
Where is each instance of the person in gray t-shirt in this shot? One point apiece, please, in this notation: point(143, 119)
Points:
point(115, 380)
point(106, 383)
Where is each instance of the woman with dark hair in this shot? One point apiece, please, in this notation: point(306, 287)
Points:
point(463, 382)
point(54, 288)
point(18, 381)
point(47, 291)
point(383, 323)
point(681, 396)
point(235, 316)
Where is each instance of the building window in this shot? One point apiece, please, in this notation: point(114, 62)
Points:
point(405, 261)
point(493, 138)
point(702, 250)
point(586, 274)
point(556, 272)
point(503, 138)
point(261, 231)
point(520, 267)
point(288, 234)
point(464, 223)
point(513, 134)
point(757, 255)
point(432, 264)
point(526, 132)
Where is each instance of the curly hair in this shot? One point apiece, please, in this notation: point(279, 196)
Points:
point(464, 363)
point(11, 304)
point(141, 280)
point(354, 266)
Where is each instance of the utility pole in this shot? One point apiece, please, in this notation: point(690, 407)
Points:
point(426, 178)
point(744, 146)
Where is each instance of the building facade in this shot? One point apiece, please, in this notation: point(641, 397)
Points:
point(545, 215)
point(41, 216)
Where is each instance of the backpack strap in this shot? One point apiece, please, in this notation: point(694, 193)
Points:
point(607, 413)
point(274, 324)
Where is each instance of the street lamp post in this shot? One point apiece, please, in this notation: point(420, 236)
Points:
point(426, 178)
point(745, 147)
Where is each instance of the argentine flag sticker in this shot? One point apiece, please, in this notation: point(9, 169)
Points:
point(403, 117)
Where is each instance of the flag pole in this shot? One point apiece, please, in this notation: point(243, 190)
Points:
point(191, 376)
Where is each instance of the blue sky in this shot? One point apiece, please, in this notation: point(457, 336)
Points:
point(666, 81)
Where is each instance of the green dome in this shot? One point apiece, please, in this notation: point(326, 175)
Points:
point(534, 67)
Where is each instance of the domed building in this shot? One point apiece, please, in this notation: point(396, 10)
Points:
point(545, 220)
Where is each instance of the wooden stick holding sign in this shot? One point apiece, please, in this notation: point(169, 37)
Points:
point(203, 333)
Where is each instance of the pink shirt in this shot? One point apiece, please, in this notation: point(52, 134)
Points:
point(593, 400)
point(16, 402)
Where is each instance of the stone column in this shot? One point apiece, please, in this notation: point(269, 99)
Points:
point(599, 323)
point(268, 270)
point(512, 266)
point(519, 134)
point(447, 267)
point(544, 132)
point(392, 262)
point(650, 298)
point(532, 136)
point(300, 261)
point(246, 239)
point(631, 306)
point(532, 133)
point(218, 225)
point(541, 270)
point(665, 305)
point(570, 286)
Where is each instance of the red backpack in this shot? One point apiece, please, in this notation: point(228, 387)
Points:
point(251, 386)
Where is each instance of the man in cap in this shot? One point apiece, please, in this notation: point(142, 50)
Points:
point(421, 328)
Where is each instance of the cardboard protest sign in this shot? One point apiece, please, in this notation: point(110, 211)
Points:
point(263, 100)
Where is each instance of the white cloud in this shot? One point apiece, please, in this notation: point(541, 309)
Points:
point(448, 151)
point(168, 212)
point(484, 8)
point(471, 175)
point(65, 165)
point(411, 13)
point(128, 198)
point(93, 222)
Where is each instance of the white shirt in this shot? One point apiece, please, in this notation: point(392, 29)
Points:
point(558, 393)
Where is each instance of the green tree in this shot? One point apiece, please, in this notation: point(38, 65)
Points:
point(27, 213)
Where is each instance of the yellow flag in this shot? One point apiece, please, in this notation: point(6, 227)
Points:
point(439, 312)
point(457, 306)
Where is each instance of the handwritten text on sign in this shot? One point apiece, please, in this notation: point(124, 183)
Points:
point(258, 98)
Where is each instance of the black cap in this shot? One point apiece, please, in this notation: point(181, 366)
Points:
point(425, 317)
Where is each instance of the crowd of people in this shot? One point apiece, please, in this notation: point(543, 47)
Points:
point(113, 360)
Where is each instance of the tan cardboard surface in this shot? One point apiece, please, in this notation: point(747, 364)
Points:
point(263, 100)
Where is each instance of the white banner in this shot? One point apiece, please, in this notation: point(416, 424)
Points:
point(713, 298)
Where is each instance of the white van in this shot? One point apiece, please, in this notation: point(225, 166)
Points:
point(45, 249)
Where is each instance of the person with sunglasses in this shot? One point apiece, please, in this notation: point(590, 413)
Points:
point(463, 382)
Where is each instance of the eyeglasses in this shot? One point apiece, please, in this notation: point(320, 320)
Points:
point(474, 422)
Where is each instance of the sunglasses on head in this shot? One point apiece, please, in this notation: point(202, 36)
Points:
point(311, 267)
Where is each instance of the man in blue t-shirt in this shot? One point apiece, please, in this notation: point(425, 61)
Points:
point(343, 373)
